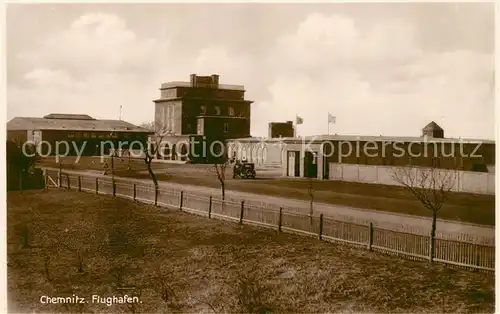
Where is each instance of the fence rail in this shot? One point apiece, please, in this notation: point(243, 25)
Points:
point(405, 244)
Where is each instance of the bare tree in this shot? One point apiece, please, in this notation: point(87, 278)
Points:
point(148, 126)
point(431, 186)
point(220, 171)
point(154, 145)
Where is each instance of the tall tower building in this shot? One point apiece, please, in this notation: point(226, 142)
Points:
point(204, 107)
point(202, 110)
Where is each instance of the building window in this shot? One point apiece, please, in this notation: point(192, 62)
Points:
point(200, 127)
point(168, 93)
point(203, 109)
point(171, 119)
point(217, 110)
point(226, 127)
point(231, 111)
point(163, 117)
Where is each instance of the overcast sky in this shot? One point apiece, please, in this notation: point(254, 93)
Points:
point(381, 69)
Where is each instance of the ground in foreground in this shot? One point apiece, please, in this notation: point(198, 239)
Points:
point(62, 243)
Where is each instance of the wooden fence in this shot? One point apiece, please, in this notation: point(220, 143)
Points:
point(404, 244)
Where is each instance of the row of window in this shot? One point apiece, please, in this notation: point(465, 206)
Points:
point(167, 118)
point(102, 135)
point(199, 130)
point(217, 110)
point(87, 135)
point(221, 94)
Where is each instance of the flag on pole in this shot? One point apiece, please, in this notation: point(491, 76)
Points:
point(299, 120)
point(331, 119)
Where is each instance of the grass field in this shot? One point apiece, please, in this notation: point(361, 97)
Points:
point(63, 243)
point(472, 208)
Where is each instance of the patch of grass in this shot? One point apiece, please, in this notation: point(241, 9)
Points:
point(88, 244)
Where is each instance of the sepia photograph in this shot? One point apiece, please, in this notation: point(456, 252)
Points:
point(333, 157)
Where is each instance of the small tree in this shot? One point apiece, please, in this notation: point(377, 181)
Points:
point(431, 186)
point(151, 152)
point(220, 170)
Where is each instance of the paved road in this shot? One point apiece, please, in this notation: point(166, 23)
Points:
point(407, 223)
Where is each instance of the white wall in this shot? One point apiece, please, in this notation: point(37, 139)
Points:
point(465, 181)
point(265, 154)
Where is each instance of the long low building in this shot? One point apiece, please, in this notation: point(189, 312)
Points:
point(85, 135)
point(372, 159)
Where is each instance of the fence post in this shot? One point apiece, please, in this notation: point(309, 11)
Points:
point(59, 183)
point(370, 237)
point(96, 185)
point(320, 226)
point(181, 200)
point(135, 193)
point(280, 219)
point(79, 184)
point(114, 187)
point(156, 196)
point(68, 183)
point(46, 181)
point(476, 257)
point(210, 206)
point(241, 211)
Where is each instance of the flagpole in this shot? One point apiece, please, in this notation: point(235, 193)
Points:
point(296, 126)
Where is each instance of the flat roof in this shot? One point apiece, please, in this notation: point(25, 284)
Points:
point(233, 101)
point(363, 138)
point(29, 123)
point(202, 85)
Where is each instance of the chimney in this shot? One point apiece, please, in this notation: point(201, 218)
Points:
point(215, 80)
point(192, 80)
point(289, 122)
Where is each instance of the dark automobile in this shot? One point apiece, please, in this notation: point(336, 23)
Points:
point(244, 170)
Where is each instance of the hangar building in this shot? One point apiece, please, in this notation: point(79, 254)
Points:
point(84, 131)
